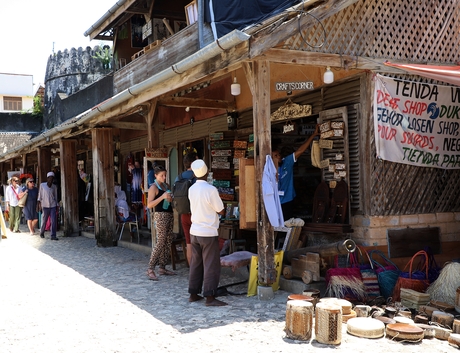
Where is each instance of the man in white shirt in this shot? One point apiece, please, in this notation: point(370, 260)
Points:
point(47, 202)
point(205, 206)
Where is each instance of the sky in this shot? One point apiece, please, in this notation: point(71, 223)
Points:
point(31, 30)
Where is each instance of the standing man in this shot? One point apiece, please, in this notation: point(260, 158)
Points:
point(205, 205)
point(186, 218)
point(47, 203)
point(285, 167)
point(12, 197)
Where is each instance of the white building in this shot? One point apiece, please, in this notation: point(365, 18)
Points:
point(16, 93)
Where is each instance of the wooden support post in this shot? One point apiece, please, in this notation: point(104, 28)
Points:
point(260, 77)
point(69, 186)
point(153, 133)
point(104, 194)
point(44, 164)
point(24, 163)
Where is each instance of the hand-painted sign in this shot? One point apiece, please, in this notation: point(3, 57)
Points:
point(417, 123)
point(294, 86)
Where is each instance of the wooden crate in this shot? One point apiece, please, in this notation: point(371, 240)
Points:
point(156, 44)
point(138, 54)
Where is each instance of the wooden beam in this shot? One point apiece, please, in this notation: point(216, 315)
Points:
point(138, 10)
point(126, 125)
point(196, 103)
point(262, 144)
point(249, 73)
point(103, 183)
point(44, 164)
point(122, 9)
point(151, 132)
point(288, 56)
point(69, 183)
point(222, 65)
point(269, 37)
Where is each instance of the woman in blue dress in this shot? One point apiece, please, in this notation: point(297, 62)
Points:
point(30, 208)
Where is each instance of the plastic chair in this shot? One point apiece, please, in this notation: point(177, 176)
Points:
point(131, 221)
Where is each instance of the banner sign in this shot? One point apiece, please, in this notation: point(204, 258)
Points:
point(417, 123)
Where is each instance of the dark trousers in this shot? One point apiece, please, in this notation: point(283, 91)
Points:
point(205, 265)
point(51, 213)
point(288, 210)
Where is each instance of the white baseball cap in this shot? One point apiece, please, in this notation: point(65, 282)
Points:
point(50, 174)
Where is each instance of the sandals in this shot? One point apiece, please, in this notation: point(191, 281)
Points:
point(165, 272)
point(151, 275)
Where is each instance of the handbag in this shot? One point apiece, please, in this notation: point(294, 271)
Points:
point(387, 273)
point(345, 282)
point(416, 280)
point(368, 274)
point(433, 269)
point(22, 201)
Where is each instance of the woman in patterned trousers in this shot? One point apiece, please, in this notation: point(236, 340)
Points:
point(160, 198)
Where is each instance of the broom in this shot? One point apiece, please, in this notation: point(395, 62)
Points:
point(445, 287)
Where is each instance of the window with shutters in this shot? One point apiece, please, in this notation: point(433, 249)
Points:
point(12, 103)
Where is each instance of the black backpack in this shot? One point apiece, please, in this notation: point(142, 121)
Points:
point(180, 192)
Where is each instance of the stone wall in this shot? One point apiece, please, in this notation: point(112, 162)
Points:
point(68, 72)
point(372, 231)
point(20, 122)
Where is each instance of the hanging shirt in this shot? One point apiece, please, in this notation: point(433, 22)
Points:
point(286, 179)
point(270, 194)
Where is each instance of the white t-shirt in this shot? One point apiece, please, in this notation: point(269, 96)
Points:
point(205, 203)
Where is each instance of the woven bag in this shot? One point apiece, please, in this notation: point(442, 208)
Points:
point(345, 283)
point(415, 280)
point(368, 274)
point(22, 201)
point(387, 273)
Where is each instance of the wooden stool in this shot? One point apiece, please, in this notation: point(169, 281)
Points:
point(328, 322)
point(175, 257)
point(299, 319)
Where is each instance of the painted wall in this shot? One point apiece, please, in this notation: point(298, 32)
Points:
point(14, 85)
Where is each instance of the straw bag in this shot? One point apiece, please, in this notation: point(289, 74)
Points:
point(315, 154)
point(368, 274)
point(387, 273)
point(22, 201)
point(416, 280)
point(345, 282)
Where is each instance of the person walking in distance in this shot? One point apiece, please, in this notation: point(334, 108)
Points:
point(30, 208)
point(47, 203)
point(12, 196)
point(205, 205)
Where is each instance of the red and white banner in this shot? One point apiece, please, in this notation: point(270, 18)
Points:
point(417, 123)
